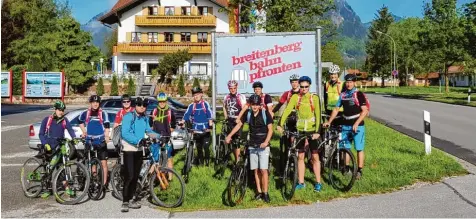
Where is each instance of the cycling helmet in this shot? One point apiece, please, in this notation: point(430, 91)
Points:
point(350, 77)
point(94, 98)
point(196, 90)
point(125, 97)
point(334, 69)
point(59, 105)
point(140, 101)
point(294, 77)
point(257, 84)
point(254, 99)
point(162, 97)
point(232, 83)
point(305, 78)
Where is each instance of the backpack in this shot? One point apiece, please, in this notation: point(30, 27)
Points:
point(290, 94)
point(169, 115)
point(237, 98)
point(311, 100)
point(195, 107)
point(50, 120)
point(337, 87)
point(88, 116)
point(263, 113)
point(356, 100)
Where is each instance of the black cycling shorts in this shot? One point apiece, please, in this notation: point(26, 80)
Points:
point(312, 145)
point(101, 151)
point(236, 136)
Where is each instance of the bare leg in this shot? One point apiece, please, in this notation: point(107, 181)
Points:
point(258, 182)
point(264, 177)
point(316, 167)
point(301, 167)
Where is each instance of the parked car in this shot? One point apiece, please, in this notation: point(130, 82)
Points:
point(73, 117)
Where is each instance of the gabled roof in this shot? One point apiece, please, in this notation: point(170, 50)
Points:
point(431, 75)
point(455, 69)
point(123, 5)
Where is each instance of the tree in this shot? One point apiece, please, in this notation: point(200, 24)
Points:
point(443, 36)
point(110, 41)
point(131, 87)
point(170, 64)
point(331, 53)
point(181, 86)
point(196, 82)
point(100, 87)
point(379, 47)
point(469, 25)
point(114, 86)
point(210, 88)
point(17, 71)
point(281, 15)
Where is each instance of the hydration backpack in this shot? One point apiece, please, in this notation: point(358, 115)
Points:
point(263, 113)
point(356, 100)
point(238, 98)
point(169, 114)
point(311, 101)
point(50, 120)
point(88, 116)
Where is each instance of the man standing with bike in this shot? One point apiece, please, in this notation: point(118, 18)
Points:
point(261, 130)
point(53, 127)
point(94, 124)
point(332, 92)
point(199, 114)
point(164, 123)
point(355, 106)
point(232, 105)
point(134, 126)
point(308, 110)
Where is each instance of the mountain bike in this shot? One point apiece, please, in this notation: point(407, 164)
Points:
point(66, 178)
point(189, 147)
point(238, 180)
point(290, 173)
point(223, 150)
point(154, 178)
point(91, 161)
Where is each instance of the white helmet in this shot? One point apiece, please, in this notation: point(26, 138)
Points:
point(334, 69)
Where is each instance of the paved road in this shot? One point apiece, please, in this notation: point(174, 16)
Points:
point(453, 127)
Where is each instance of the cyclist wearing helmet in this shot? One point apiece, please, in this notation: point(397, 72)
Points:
point(261, 130)
point(353, 121)
point(134, 126)
point(94, 124)
point(332, 92)
point(164, 123)
point(266, 101)
point(199, 114)
point(126, 107)
point(232, 106)
point(53, 127)
point(308, 113)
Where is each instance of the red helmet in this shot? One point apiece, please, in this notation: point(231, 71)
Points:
point(232, 83)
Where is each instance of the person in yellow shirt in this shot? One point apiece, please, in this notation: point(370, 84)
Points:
point(333, 89)
point(308, 112)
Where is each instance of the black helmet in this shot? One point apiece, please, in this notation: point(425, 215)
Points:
point(350, 77)
point(141, 101)
point(94, 98)
point(254, 99)
point(258, 84)
point(196, 90)
point(305, 78)
point(125, 97)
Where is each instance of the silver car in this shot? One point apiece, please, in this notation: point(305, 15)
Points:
point(73, 117)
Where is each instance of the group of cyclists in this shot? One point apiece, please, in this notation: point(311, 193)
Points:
point(344, 105)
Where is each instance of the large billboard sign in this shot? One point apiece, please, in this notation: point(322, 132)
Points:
point(270, 59)
point(43, 84)
point(6, 84)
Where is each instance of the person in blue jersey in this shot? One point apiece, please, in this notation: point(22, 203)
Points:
point(53, 127)
point(134, 127)
point(95, 124)
point(199, 114)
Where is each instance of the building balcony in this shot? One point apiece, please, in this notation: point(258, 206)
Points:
point(178, 20)
point(193, 48)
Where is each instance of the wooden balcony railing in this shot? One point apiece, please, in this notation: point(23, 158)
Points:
point(194, 48)
point(180, 20)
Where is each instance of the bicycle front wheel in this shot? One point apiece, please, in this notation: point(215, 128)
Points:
point(342, 169)
point(117, 181)
point(237, 185)
point(167, 188)
point(71, 183)
point(31, 176)
point(188, 164)
point(290, 178)
point(96, 187)
point(219, 151)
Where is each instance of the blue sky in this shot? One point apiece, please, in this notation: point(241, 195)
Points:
point(83, 10)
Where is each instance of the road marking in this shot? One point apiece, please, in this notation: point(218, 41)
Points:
point(13, 127)
point(21, 154)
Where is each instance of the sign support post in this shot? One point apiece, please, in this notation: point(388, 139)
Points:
point(62, 85)
point(214, 91)
point(11, 86)
point(23, 86)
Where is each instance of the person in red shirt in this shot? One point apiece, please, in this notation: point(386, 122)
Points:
point(126, 107)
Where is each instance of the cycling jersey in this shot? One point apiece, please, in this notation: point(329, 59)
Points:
point(56, 130)
point(121, 114)
point(95, 129)
point(333, 90)
point(308, 118)
point(351, 110)
point(199, 113)
point(234, 103)
point(161, 123)
point(258, 126)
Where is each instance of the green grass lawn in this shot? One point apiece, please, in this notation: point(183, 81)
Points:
point(457, 95)
point(392, 161)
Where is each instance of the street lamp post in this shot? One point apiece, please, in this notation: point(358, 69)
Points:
point(101, 60)
point(394, 56)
